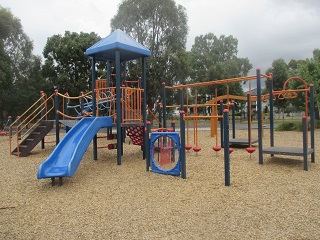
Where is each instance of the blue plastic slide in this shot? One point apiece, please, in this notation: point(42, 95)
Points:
point(66, 157)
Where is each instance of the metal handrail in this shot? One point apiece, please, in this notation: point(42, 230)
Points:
point(21, 123)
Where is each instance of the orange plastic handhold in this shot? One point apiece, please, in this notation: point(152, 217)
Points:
point(197, 149)
point(250, 150)
point(111, 136)
point(112, 146)
point(188, 147)
point(216, 148)
point(230, 150)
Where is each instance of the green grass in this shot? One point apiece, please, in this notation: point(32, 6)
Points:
point(284, 124)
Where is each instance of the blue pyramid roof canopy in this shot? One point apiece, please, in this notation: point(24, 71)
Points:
point(105, 49)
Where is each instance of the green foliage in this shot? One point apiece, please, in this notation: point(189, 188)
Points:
point(295, 126)
point(66, 66)
point(309, 70)
point(214, 58)
point(280, 73)
point(19, 68)
point(158, 25)
point(287, 126)
point(161, 26)
point(279, 69)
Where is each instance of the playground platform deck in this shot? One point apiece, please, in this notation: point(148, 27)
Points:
point(291, 151)
point(241, 141)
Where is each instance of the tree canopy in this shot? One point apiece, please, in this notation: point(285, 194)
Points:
point(19, 68)
point(161, 26)
point(309, 70)
point(66, 66)
point(214, 58)
point(279, 70)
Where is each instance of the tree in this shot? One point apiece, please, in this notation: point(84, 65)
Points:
point(214, 58)
point(280, 73)
point(5, 81)
point(16, 64)
point(66, 66)
point(161, 26)
point(309, 70)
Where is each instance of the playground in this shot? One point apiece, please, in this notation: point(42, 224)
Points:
point(276, 200)
point(269, 196)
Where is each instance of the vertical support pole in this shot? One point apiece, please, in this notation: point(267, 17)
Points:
point(119, 107)
point(9, 125)
point(259, 100)
point(67, 110)
point(183, 137)
point(271, 112)
point(226, 147)
point(108, 85)
point(9, 120)
point(164, 105)
point(221, 123)
point(183, 145)
point(173, 126)
point(82, 102)
point(18, 120)
point(19, 127)
point(124, 112)
point(66, 104)
point(160, 114)
point(144, 103)
point(233, 108)
point(108, 68)
point(94, 104)
point(123, 136)
point(43, 110)
point(249, 116)
point(124, 74)
point(148, 147)
point(312, 121)
point(56, 108)
point(93, 75)
point(305, 143)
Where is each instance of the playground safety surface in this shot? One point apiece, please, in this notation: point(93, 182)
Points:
point(276, 200)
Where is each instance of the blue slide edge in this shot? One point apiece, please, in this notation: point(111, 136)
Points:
point(66, 157)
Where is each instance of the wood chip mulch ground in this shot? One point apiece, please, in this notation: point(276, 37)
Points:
point(276, 200)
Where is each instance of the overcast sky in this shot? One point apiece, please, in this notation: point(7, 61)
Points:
point(266, 29)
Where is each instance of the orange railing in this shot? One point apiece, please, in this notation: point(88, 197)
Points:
point(70, 108)
point(27, 121)
point(131, 104)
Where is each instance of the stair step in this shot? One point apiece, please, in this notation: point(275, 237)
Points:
point(33, 139)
